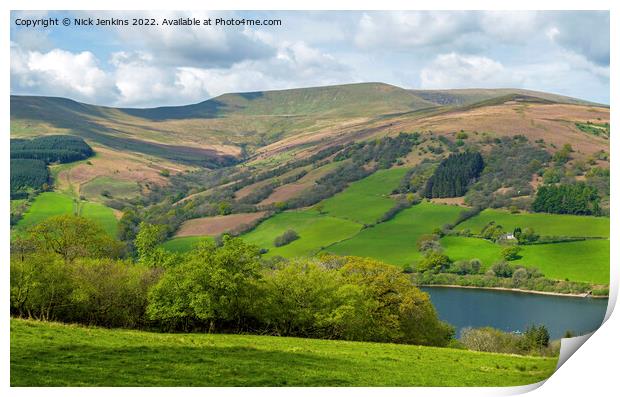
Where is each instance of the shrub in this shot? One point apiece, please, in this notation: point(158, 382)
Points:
point(103, 291)
point(502, 269)
point(286, 238)
point(434, 262)
point(490, 340)
point(303, 299)
point(429, 242)
point(535, 338)
point(465, 267)
point(399, 206)
point(519, 276)
point(511, 253)
point(110, 293)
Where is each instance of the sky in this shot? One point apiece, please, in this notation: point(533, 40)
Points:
point(563, 52)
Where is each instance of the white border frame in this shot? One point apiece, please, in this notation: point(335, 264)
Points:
point(592, 370)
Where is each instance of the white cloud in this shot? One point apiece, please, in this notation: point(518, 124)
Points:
point(60, 72)
point(466, 71)
point(585, 33)
point(139, 82)
point(412, 29)
point(510, 26)
point(196, 46)
point(566, 74)
point(295, 65)
point(152, 66)
point(142, 81)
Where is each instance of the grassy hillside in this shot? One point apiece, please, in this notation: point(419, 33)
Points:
point(141, 150)
point(101, 214)
point(271, 127)
point(51, 354)
point(463, 97)
point(95, 188)
point(315, 231)
point(366, 200)
point(46, 205)
point(395, 241)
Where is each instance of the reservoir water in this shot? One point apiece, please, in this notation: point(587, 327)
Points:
point(515, 311)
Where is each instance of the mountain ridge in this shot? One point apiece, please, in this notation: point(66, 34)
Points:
point(266, 128)
point(239, 101)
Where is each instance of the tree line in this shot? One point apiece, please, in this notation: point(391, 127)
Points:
point(30, 157)
point(51, 149)
point(27, 174)
point(68, 269)
point(574, 198)
point(454, 175)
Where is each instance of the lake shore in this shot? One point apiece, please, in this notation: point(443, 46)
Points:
point(525, 291)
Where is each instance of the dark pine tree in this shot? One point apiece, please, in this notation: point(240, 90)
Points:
point(454, 175)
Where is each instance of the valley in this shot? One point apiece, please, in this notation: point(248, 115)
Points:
point(299, 132)
point(293, 216)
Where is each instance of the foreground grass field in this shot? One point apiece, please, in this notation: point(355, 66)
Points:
point(543, 224)
point(50, 204)
point(51, 354)
point(395, 241)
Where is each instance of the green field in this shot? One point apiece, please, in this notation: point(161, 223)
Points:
point(46, 205)
point(100, 214)
point(586, 261)
point(49, 204)
point(466, 248)
point(52, 354)
point(366, 200)
point(578, 260)
point(315, 231)
point(116, 187)
point(395, 241)
point(543, 224)
point(183, 244)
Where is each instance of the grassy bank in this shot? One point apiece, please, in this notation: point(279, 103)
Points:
point(51, 354)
